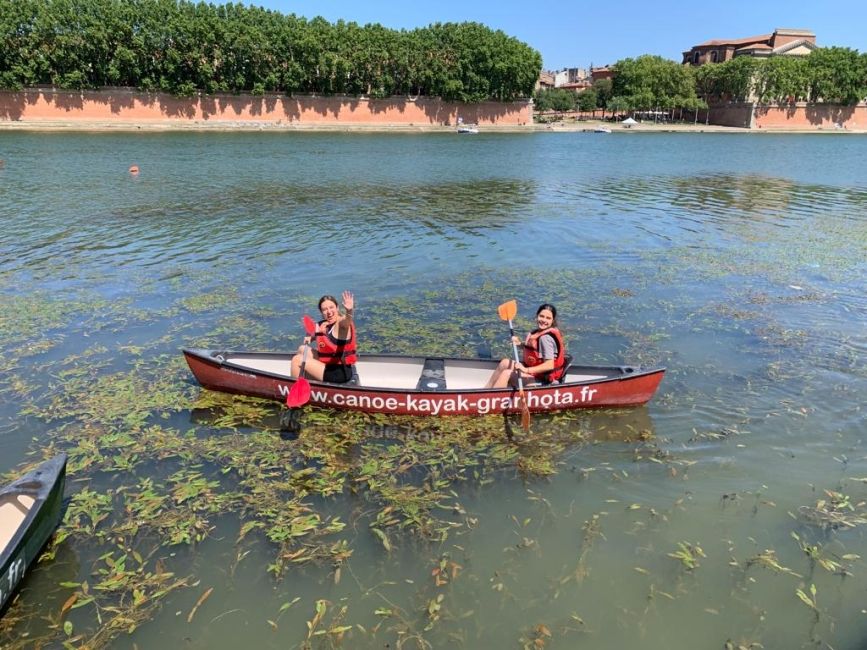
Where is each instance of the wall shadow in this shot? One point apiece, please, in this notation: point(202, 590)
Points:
point(65, 101)
point(731, 114)
point(835, 114)
point(291, 108)
point(389, 105)
point(178, 107)
point(130, 104)
point(446, 113)
point(12, 106)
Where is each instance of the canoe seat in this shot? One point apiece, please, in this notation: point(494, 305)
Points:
point(13, 512)
point(433, 375)
point(567, 362)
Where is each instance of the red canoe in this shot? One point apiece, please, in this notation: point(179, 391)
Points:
point(404, 385)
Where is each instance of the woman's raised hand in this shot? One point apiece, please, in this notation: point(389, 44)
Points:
point(348, 301)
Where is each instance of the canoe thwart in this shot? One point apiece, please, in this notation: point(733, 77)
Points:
point(433, 375)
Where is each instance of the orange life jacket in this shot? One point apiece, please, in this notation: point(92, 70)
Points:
point(532, 358)
point(332, 351)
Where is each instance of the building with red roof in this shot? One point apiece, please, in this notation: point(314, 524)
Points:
point(782, 42)
point(545, 80)
point(604, 72)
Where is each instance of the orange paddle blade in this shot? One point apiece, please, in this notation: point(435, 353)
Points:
point(299, 394)
point(508, 310)
point(309, 325)
point(525, 417)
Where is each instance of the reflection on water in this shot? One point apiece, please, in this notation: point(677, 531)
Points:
point(696, 521)
point(262, 224)
point(751, 208)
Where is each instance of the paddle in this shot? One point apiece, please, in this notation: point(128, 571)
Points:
point(507, 312)
point(299, 394)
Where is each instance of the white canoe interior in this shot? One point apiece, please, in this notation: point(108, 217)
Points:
point(14, 509)
point(401, 372)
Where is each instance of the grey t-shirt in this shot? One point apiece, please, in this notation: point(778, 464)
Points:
point(547, 347)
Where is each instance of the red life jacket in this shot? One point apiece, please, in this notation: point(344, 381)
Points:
point(332, 351)
point(532, 358)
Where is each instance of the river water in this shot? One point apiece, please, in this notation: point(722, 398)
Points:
point(729, 510)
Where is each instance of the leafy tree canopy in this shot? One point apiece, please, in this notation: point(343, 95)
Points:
point(602, 87)
point(651, 81)
point(836, 75)
point(833, 75)
point(183, 47)
point(554, 99)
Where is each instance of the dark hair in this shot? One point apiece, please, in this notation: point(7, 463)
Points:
point(327, 297)
point(552, 309)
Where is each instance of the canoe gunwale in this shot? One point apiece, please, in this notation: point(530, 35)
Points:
point(220, 357)
point(45, 484)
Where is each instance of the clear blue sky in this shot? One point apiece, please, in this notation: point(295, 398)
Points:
point(575, 34)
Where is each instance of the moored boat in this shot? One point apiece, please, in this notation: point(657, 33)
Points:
point(418, 385)
point(30, 510)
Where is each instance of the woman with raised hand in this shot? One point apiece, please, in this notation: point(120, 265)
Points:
point(334, 344)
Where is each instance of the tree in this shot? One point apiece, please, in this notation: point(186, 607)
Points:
point(618, 104)
point(736, 78)
point(554, 99)
point(602, 87)
point(651, 81)
point(781, 79)
point(184, 47)
point(586, 100)
point(18, 65)
point(837, 75)
point(694, 105)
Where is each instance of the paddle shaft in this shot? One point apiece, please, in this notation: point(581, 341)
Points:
point(310, 328)
point(515, 353)
point(303, 360)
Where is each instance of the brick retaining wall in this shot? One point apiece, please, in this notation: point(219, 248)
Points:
point(800, 115)
point(810, 116)
point(126, 105)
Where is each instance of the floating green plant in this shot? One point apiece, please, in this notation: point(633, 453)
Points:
point(688, 554)
point(177, 458)
point(838, 565)
point(768, 558)
point(207, 301)
point(835, 511)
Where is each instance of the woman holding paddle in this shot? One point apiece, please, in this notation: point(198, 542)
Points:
point(544, 354)
point(333, 343)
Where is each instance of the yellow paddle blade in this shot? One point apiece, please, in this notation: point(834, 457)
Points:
point(508, 310)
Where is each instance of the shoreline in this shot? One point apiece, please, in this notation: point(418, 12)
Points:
point(349, 127)
point(649, 127)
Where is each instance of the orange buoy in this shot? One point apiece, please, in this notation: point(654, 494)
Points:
point(133, 169)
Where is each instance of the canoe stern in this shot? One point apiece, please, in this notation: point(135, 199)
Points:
point(45, 485)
